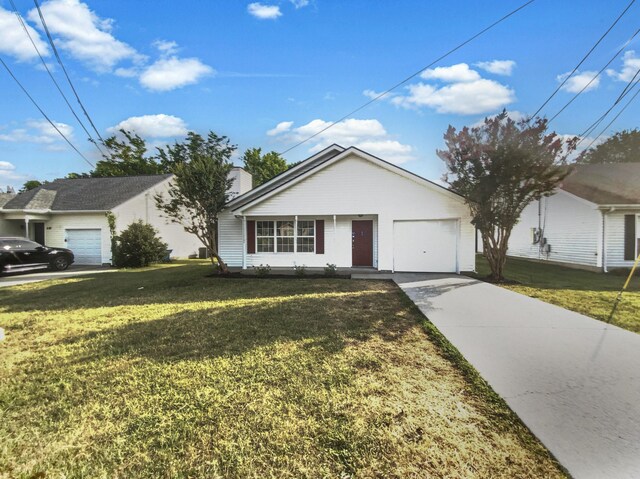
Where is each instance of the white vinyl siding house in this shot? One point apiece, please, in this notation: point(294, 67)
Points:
point(591, 221)
point(71, 213)
point(343, 210)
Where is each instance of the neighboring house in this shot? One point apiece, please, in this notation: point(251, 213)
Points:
point(591, 221)
point(71, 213)
point(346, 207)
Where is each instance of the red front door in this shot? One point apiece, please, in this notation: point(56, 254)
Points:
point(362, 243)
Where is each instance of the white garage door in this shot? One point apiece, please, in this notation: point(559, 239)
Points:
point(86, 245)
point(428, 246)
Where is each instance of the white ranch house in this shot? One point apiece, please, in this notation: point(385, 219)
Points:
point(346, 207)
point(591, 221)
point(71, 213)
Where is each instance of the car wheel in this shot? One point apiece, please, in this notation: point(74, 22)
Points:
point(60, 263)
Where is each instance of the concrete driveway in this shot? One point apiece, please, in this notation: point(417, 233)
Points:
point(74, 270)
point(574, 381)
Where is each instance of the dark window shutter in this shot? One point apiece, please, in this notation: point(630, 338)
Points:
point(319, 236)
point(629, 237)
point(251, 237)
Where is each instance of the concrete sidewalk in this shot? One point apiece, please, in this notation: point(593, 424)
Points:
point(573, 380)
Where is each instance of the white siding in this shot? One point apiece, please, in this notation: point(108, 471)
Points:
point(56, 230)
point(142, 207)
point(354, 186)
point(230, 238)
point(573, 229)
point(11, 228)
point(615, 238)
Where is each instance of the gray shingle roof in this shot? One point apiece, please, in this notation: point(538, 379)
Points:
point(83, 194)
point(4, 197)
point(607, 184)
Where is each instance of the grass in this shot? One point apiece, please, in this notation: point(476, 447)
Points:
point(162, 372)
point(585, 292)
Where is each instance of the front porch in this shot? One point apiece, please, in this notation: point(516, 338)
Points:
point(27, 225)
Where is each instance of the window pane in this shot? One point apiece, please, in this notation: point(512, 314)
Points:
point(264, 228)
point(265, 245)
point(285, 228)
point(305, 245)
point(285, 245)
point(305, 228)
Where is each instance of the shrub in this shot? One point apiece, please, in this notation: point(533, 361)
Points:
point(300, 270)
point(138, 246)
point(262, 270)
point(330, 270)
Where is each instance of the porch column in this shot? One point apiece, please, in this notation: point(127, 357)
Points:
point(26, 227)
point(244, 242)
point(334, 254)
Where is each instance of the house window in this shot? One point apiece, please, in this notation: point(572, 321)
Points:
point(264, 236)
point(285, 236)
point(306, 236)
point(282, 236)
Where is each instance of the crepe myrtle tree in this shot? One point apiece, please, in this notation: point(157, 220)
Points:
point(199, 189)
point(500, 167)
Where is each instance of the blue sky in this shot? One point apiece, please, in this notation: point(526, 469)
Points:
point(270, 73)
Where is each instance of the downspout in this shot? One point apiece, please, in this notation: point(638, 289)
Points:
point(604, 238)
point(146, 207)
point(244, 242)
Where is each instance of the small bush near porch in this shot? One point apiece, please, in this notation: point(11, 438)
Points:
point(162, 372)
point(585, 292)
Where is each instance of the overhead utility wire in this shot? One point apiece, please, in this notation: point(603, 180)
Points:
point(595, 77)
point(379, 96)
point(614, 119)
point(582, 61)
point(55, 51)
point(24, 27)
point(43, 113)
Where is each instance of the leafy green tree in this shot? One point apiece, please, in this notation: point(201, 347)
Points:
point(263, 167)
point(500, 167)
point(200, 187)
point(138, 245)
point(125, 156)
point(29, 185)
point(622, 147)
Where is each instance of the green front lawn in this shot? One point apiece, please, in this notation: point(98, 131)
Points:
point(586, 292)
point(163, 372)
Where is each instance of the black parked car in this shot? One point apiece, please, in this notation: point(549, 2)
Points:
point(22, 254)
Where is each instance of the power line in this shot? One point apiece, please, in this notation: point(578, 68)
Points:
point(43, 113)
point(582, 61)
point(614, 119)
point(24, 27)
point(55, 51)
point(626, 90)
point(626, 44)
point(379, 96)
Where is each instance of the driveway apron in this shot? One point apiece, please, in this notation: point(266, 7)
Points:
point(573, 380)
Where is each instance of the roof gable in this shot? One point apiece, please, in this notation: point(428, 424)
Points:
point(84, 194)
point(318, 164)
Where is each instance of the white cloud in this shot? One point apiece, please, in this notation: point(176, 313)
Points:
point(84, 35)
point(466, 92)
point(455, 73)
point(299, 3)
point(368, 135)
point(630, 66)
point(498, 67)
point(8, 173)
point(465, 98)
point(281, 127)
point(14, 41)
point(152, 126)
point(580, 80)
point(39, 132)
point(171, 73)
point(264, 12)
point(166, 47)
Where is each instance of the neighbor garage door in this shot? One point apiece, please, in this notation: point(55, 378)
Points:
point(429, 246)
point(86, 245)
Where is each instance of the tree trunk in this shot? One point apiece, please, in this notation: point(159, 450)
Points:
point(495, 250)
